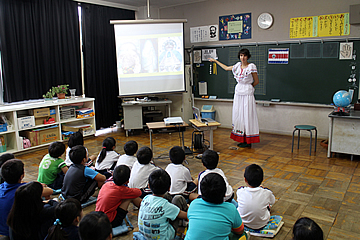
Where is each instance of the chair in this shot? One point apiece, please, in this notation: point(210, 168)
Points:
point(308, 128)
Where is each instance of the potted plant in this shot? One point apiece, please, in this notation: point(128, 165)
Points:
point(49, 95)
point(61, 90)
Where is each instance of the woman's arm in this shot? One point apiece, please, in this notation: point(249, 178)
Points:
point(256, 79)
point(223, 66)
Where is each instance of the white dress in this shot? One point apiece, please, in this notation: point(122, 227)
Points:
point(245, 126)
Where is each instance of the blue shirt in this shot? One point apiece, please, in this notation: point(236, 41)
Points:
point(154, 215)
point(7, 194)
point(212, 221)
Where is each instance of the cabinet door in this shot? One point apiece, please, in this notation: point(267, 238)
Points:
point(345, 138)
point(133, 117)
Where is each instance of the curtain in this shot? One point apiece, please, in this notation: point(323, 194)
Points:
point(40, 46)
point(100, 59)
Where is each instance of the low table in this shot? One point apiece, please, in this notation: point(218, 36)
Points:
point(207, 126)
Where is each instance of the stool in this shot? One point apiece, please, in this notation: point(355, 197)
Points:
point(308, 128)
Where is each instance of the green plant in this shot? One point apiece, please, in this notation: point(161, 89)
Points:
point(60, 89)
point(49, 94)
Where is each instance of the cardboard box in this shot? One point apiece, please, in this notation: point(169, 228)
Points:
point(33, 136)
point(26, 122)
point(44, 120)
point(49, 135)
point(40, 112)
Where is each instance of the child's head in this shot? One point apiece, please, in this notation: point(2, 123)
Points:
point(108, 145)
point(213, 188)
point(177, 155)
point(306, 229)
point(254, 175)
point(95, 226)
point(67, 213)
point(6, 156)
point(130, 148)
point(210, 159)
point(12, 171)
point(121, 174)
point(144, 155)
point(56, 149)
point(159, 182)
point(76, 139)
point(77, 154)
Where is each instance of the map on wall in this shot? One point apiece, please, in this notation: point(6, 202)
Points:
point(320, 26)
point(235, 26)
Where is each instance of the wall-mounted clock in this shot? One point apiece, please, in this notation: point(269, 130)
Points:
point(265, 20)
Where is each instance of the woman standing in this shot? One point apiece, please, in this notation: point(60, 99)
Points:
point(245, 126)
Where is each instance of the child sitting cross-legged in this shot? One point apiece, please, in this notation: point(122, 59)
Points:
point(141, 170)
point(254, 201)
point(115, 196)
point(80, 181)
point(52, 168)
point(128, 158)
point(107, 157)
point(68, 215)
point(181, 180)
point(210, 160)
point(210, 217)
point(157, 217)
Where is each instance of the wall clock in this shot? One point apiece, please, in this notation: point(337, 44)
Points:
point(265, 20)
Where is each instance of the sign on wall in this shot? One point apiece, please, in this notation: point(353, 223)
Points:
point(236, 26)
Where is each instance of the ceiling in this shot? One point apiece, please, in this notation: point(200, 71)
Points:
point(135, 4)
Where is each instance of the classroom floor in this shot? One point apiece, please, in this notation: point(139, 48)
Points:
point(324, 189)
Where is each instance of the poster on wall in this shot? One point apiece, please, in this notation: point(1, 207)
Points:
point(236, 26)
point(204, 33)
point(346, 51)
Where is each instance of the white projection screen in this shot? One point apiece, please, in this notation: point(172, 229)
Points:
point(150, 56)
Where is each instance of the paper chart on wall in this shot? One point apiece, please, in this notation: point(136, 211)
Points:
point(204, 33)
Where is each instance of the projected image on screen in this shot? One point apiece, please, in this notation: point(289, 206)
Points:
point(150, 58)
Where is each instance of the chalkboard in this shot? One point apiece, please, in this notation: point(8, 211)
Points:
point(313, 73)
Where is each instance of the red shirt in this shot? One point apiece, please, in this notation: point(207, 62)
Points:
point(111, 196)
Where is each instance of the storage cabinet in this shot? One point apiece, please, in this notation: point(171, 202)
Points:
point(42, 122)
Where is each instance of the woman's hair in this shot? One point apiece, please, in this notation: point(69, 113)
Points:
point(306, 229)
point(65, 213)
point(244, 51)
point(23, 218)
point(76, 139)
point(108, 145)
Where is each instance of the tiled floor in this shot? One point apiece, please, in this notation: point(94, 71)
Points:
point(324, 189)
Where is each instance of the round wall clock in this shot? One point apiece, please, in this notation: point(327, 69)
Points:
point(265, 20)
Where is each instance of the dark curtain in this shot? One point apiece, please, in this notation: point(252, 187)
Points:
point(100, 59)
point(40, 46)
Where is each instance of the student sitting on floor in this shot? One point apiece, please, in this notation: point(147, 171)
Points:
point(254, 201)
point(3, 158)
point(80, 181)
point(210, 217)
point(141, 170)
point(115, 197)
point(75, 139)
point(181, 180)
point(68, 215)
point(95, 226)
point(107, 157)
point(306, 229)
point(156, 218)
point(210, 160)
point(52, 168)
point(30, 217)
point(128, 158)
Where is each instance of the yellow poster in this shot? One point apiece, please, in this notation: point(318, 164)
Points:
point(302, 27)
point(334, 25)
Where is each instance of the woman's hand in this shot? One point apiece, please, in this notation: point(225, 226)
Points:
point(211, 60)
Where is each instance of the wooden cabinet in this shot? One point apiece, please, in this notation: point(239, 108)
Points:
point(26, 119)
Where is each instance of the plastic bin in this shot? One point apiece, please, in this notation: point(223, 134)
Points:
point(208, 111)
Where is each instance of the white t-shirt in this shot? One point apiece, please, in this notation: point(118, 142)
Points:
point(139, 175)
point(180, 176)
point(229, 190)
point(67, 158)
point(253, 206)
point(127, 160)
point(110, 158)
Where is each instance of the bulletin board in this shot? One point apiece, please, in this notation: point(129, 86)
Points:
point(235, 26)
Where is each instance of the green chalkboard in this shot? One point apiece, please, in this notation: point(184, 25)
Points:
point(313, 74)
